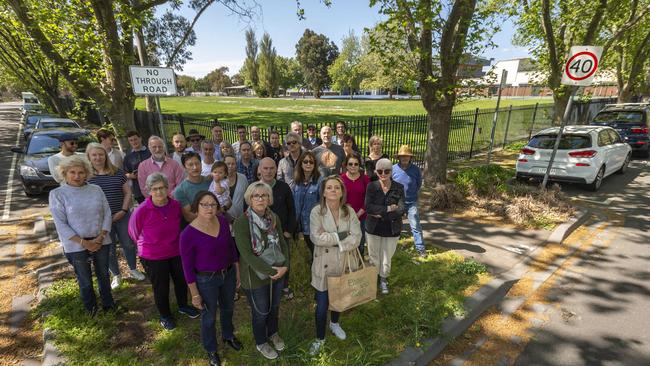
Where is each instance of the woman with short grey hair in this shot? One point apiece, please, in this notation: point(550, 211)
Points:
point(156, 226)
point(82, 218)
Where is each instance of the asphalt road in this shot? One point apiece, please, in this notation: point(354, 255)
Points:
point(13, 202)
point(603, 301)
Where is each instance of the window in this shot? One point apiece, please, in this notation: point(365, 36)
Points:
point(567, 142)
point(635, 117)
point(604, 138)
point(616, 138)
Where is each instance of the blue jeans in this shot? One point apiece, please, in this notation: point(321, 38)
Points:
point(265, 309)
point(216, 290)
point(414, 221)
point(120, 231)
point(81, 261)
point(322, 304)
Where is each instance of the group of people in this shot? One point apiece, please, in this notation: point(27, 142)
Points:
point(214, 217)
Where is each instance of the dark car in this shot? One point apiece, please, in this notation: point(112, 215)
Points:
point(631, 122)
point(31, 119)
point(34, 171)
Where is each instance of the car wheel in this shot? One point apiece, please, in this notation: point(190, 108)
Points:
point(623, 168)
point(595, 185)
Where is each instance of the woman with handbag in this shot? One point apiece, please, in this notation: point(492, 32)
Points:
point(263, 262)
point(305, 193)
point(385, 208)
point(336, 233)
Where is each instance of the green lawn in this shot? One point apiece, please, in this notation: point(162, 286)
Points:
point(272, 111)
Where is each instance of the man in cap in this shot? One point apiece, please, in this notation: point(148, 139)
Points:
point(195, 138)
point(410, 176)
point(69, 143)
point(312, 140)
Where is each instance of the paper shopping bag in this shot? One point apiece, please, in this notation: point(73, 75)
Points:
point(354, 287)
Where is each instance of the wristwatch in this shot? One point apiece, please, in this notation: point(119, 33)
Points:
point(125, 211)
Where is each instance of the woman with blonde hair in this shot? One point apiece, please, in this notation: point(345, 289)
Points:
point(374, 146)
point(335, 232)
point(82, 218)
point(259, 151)
point(117, 190)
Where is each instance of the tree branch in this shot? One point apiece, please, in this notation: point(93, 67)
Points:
point(633, 20)
point(594, 24)
point(170, 60)
point(146, 5)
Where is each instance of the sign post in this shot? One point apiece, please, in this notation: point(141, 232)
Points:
point(579, 70)
point(504, 76)
point(153, 81)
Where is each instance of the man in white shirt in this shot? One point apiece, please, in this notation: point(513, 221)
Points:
point(241, 134)
point(207, 157)
point(69, 143)
point(180, 146)
point(107, 139)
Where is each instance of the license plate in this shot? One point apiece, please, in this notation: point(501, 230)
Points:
point(554, 171)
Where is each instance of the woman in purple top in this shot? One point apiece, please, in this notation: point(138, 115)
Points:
point(211, 266)
point(155, 226)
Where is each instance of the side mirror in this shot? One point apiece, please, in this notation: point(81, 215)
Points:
point(17, 150)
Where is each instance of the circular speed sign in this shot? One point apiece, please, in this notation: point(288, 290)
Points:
point(581, 65)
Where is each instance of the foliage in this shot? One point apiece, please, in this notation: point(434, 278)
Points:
point(345, 72)
point(217, 79)
point(267, 71)
point(484, 180)
point(290, 73)
point(186, 84)
point(249, 70)
point(237, 79)
point(316, 53)
point(162, 36)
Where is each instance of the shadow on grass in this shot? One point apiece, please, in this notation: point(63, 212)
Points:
point(422, 295)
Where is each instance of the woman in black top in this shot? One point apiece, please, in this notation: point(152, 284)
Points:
point(385, 208)
point(374, 146)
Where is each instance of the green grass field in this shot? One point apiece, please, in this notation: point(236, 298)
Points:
point(273, 111)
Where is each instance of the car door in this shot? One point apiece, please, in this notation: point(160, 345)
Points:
point(605, 149)
point(619, 148)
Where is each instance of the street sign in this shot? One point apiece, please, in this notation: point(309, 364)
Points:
point(149, 80)
point(581, 66)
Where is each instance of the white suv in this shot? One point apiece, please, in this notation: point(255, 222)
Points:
point(586, 155)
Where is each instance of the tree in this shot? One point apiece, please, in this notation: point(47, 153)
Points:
point(249, 71)
point(186, 84)
point(218, 79)
point(550, 28)
point(290, 73)
point(237, 79)
point(267, 68)
point(451, 29)
point(345, 72)
point(316, 53)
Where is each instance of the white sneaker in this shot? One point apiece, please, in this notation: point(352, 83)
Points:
point(116, 282)
point(338, 331)
point(267, 351)
point(383, 285)
point(316, 346)
point(137, 275)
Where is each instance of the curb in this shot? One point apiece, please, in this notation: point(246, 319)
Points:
point(486, 296)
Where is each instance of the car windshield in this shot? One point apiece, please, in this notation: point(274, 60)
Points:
point(47, 144)
point(620, 117)
point(56, 124)
point(567, 142)
point(32, 120)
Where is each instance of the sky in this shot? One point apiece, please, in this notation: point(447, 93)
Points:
point(221, 42)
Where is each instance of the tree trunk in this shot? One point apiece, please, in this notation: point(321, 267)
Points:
point(560, 102)
point(435, 157)
point(625, 93)
point(149, 102)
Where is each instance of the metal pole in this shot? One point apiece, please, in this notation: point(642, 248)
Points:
point(504, 75)
point(160, 118)
point(505, 135)
point(532, 125)
point(471, 146)
point(567, 112)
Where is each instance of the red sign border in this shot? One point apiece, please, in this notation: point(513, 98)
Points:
point(566, 67)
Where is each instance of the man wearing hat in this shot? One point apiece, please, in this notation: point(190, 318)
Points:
point(69, 143)
point(410, 177)
point(195, 138)
point(312, 141)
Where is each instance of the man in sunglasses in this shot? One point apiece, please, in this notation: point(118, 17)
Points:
point(69, 143)
point(312, 141)
point(288, 163)
point(195, 138)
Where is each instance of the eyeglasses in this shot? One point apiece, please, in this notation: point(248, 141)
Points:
point(292, 142)
point(308, 162)
point(383, 171)
point(353, 164)
point(195, 140)
point(209, 205)
point(73, 142)
point(259, 197)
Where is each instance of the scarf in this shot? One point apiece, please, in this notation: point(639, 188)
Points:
point(257, 225)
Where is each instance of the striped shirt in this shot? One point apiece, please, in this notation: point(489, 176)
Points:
point(111, 185)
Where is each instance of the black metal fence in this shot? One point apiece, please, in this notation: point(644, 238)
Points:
point(469, 134)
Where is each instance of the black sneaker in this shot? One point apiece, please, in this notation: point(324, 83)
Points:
point(92, 312)
point(190, 311)
point(167, 323)
point(214, 359)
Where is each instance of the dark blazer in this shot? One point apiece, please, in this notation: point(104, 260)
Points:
point(309, 146)
point(283, 206)
point(377, 207)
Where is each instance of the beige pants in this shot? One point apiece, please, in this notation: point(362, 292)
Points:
point(380, 251)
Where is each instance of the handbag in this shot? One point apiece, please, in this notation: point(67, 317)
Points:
point(271, 255)
point(356, 286)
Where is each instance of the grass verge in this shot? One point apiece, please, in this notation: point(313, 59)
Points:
point(423, 293)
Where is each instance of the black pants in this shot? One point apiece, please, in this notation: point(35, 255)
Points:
point(310, 245)
point(159, 272)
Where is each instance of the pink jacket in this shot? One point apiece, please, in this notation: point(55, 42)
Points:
point(170, 168)
point(156, 230)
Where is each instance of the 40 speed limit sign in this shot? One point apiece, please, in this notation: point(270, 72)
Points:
point(581, 66)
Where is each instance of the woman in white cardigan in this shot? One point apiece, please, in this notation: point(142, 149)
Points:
point(335, 232)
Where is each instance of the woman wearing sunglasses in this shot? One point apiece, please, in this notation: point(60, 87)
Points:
point(305, 193)
point(385, 207)
point(356, 182)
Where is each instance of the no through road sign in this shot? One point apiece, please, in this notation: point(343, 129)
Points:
point(581, 66)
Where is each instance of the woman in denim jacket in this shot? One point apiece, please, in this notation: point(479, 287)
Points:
point(306, 193)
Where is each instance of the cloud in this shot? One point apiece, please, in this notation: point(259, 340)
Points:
point(200, 69)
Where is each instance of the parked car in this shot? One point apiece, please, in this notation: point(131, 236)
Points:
point(34, 172)
point(31, 119)
point(631, 122)
point(52, 122)
point(586, 155)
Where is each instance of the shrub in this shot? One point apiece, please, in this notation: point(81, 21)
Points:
point(485, 180)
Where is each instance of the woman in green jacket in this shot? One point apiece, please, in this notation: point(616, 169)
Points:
point(263, 262)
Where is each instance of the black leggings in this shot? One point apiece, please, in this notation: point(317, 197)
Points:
point(159, 272)
point(310, 245)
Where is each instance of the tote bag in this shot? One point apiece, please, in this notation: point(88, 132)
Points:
point(352, 288)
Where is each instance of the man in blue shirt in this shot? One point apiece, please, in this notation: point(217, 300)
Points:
point(410, 177)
